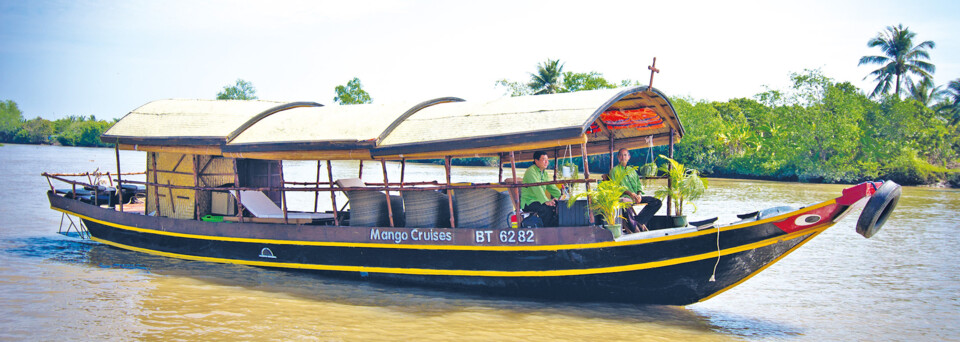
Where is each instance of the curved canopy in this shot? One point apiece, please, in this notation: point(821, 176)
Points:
point(192, 122)
point(318, 130)
point(627, 115)
point(599, 120)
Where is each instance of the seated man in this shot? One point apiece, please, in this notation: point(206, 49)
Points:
point(535, 199)
point(634, 222)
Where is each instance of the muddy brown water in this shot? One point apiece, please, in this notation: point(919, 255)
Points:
point(902, 284)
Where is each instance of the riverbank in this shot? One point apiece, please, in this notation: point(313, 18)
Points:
point(599, 164)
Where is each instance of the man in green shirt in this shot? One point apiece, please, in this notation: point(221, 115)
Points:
point(535, 199)
point(634, 194)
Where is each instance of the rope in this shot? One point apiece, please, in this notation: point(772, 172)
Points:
point(713, 277)
point(649, 149)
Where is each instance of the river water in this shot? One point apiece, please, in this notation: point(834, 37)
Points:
point(902, 284)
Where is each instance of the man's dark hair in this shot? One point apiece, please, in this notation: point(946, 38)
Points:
point(536, 155)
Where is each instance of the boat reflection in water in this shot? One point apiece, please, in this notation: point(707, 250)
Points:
point(215, 191)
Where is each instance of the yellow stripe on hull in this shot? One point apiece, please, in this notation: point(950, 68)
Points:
point(450, 247)
point(483, 273)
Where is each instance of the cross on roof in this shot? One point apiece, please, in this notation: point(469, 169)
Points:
point(653, 69)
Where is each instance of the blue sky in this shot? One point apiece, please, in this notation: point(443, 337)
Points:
point(105, 58)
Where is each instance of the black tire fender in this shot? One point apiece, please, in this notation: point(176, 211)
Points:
point(878, 209)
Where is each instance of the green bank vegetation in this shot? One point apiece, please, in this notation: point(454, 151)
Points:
point(818, 130)
point(68, 131)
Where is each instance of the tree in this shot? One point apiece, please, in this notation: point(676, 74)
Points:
point(951, 105)
point(36, 131)
point(351, 93)
point(924, 92)
point(80, 131)
point(548, 79)
point(242, 90)
point(514, 88)
point(579, 81)
point(11, 119)
point(900, 59)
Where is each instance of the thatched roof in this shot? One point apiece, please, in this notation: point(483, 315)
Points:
point(633, 117)
point(332, 127)
point(192, 122)
point(498, 125)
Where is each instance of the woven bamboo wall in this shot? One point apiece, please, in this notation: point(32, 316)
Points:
point(214, 171)
point(171, 169)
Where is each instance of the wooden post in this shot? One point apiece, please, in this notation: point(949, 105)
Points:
point(403, 171)
point(156, 184)
point(611, 152)
point(119, 181)
point(556, 163)
point(196, 184)
point(383, 165)
point(316, 194)
point(51, 183)
point(586, 175)
point(670, 183)
point(517, 201)
point(360, 171)
point(173, 205)
point(500, 166)
point(653, 69)
point(283, 194)
point(236, 185)
point(333, 196)
point(446, 166)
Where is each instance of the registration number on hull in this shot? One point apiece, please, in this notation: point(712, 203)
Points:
point(505, 236)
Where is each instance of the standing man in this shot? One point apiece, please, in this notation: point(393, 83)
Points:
point(634, 194)
point(541, 199)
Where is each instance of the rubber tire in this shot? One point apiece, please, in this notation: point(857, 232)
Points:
point(878, 209)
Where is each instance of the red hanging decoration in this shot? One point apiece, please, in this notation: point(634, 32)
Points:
point(614, 119)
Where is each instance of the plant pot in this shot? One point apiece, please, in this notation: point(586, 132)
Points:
point(614, 229)
point(679, 221)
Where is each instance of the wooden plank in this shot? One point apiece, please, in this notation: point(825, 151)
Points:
point(119, 190)
point(268, 220)
point(491, 151)
point(383, 165)
point(205, 150)
point(333, 197)
point(446, 167)
point(304, 155)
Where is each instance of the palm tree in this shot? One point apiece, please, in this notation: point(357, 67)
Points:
point(924, 92)
point(547, 80)
point(900, 58)
point(951, 104)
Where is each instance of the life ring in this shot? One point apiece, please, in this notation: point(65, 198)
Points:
point(878, 209)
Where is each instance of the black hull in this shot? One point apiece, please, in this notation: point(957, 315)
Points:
point(571, 263)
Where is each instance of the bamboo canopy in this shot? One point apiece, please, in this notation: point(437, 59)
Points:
point(528, 123)
point(314, 133)
point(194, 123)
point(631, 117)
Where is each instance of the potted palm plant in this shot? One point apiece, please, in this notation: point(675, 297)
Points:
point(605, 199)
point(687, 186)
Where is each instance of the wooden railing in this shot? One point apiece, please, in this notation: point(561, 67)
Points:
point(301, 187)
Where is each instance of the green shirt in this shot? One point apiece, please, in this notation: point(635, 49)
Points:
point(536, 193)
point(631, 181)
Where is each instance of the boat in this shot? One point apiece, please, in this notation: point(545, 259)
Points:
point(214, 191)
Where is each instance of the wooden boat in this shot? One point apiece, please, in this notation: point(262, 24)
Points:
point(215, 192)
